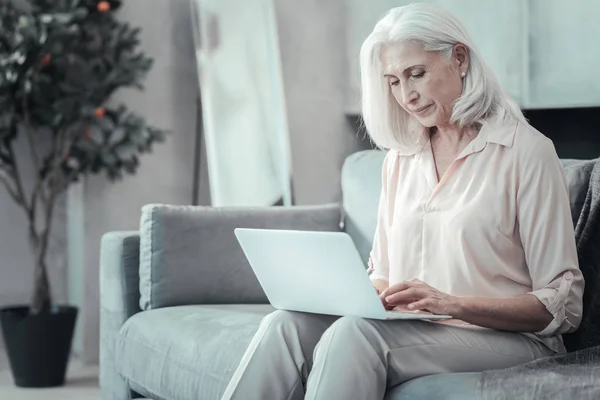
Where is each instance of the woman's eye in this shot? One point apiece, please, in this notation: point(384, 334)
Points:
point(394, 83)
point(419, 75)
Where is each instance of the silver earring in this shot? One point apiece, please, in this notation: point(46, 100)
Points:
point(463, 74)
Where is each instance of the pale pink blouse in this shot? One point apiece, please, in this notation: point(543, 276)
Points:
point(497, 224)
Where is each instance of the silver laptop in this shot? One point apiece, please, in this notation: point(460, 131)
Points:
point(316, 272)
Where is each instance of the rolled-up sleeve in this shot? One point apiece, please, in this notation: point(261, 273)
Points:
point(378, 258)
point(547, 234)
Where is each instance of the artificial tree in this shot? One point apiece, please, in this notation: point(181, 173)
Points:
point(60, 63)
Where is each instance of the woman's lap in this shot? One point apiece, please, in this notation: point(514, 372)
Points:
point(368, 355)
point(393, 352)
point(418, 348)
point(396, 335)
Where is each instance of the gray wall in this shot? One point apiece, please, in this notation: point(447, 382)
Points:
point(313, 56)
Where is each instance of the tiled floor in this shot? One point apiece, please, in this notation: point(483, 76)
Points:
point(82, 384)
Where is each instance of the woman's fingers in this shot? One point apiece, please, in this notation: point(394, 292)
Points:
point(406, 296)
point(415, 295)
point(422, 304)
point(396, 288)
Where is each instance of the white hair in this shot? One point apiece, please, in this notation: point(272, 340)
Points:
point(388, 124)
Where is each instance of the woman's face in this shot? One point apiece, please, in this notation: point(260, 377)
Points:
point(424, 83)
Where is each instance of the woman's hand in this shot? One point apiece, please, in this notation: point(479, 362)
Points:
point(417, 295)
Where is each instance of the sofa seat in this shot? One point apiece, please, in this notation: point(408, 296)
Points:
point(191, 352)
point(186, 352)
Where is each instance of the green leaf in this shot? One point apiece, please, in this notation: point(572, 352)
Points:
point(43, 78)
point(106, 124)
point(126, 152)
point(116, 136)
point(80, 13)
point(86, 145)
point(87, 110)
point(96, 135)
point(130, 167)
point(109, 159)
point(57, 120)
point(69, 88)
point(73, 163)
point(66, 107)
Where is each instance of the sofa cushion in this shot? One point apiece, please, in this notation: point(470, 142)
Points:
point(578, 174)
point(190, 255)
point(459, 386)
point(185, 352)
point(361, 187)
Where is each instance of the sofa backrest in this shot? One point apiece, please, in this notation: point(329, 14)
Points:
point(361, 186)
point(190, 255)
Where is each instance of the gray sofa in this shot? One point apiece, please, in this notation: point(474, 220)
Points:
point(179, 302)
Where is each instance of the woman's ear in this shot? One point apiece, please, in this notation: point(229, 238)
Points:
point(460, 55)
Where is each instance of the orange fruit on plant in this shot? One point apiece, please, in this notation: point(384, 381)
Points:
point(104, 6)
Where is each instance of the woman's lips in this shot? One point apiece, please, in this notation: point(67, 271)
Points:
point(423, 110)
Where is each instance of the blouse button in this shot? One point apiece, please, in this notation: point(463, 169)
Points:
point(569, 275)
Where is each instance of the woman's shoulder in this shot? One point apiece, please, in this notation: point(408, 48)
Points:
point(528, 136)
point(391, 157)
point(390, 161)
point(531, 146)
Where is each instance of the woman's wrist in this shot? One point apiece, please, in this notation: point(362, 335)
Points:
point(456, 307)
point(380, 285)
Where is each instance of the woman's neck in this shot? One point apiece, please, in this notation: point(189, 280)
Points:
point(452, 134)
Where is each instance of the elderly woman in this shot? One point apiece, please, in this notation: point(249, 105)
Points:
point(473, 221)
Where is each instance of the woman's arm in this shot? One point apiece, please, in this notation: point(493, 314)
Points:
point(522, 313)
point(546, 231)
point(378, 257)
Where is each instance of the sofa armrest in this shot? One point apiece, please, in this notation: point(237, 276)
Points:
point(190, 255)
point(119, 300)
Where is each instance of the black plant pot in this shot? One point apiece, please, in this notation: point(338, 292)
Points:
point(38, 346)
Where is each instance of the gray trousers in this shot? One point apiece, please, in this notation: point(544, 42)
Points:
point(297, 356)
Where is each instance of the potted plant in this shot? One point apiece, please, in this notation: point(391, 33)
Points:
point(60, 62)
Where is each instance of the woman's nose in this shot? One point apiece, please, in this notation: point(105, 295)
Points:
point(409, 95)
